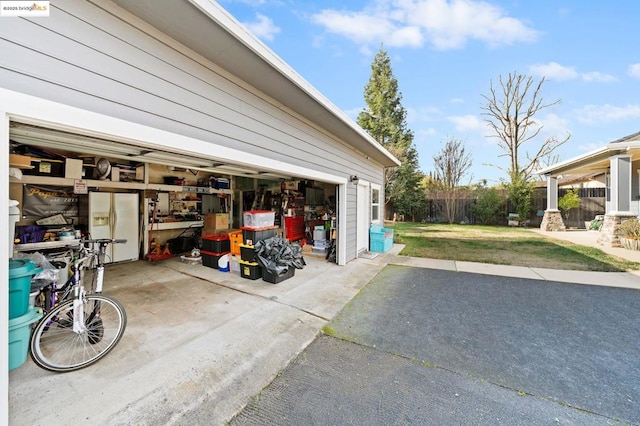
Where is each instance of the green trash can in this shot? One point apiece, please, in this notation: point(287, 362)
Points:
point(19, 336)
point(20, 273)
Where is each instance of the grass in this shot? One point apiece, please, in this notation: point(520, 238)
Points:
point(329, 331)
point(503, 246)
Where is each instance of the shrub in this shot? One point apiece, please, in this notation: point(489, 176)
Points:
point(630, 228)
point(520, 193)
point(569, 201)
point(488, 207)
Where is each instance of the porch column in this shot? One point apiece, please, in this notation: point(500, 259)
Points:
point(620, 205)
point(552, 219)
point(620, 185)
point(552, 193)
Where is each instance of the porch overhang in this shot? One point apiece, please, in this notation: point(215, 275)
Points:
point(596, 161)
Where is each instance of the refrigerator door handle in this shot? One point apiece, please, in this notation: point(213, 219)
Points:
point(113, 217)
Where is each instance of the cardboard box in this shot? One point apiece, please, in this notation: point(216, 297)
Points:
point(140, 173)
point(216, 222)
point(73, 169)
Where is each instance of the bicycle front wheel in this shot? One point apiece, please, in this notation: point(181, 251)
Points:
point(56, 347)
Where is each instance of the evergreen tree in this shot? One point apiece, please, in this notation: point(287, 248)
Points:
point(385, 120)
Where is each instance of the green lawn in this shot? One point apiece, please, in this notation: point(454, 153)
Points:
point(501, 245)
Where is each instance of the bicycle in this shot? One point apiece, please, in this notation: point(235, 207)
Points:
point(80, 326)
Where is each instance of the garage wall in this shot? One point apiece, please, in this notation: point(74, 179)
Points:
point(84, 56)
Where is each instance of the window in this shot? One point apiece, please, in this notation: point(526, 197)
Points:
point(375, 203)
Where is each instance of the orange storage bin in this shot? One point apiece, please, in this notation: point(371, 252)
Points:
point(235, 238)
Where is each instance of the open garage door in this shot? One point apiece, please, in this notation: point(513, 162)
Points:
point(179, 187)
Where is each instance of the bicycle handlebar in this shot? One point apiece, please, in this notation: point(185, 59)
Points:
point(87, 247)
point(104, 241)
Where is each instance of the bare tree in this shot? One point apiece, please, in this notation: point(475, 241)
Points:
point(511, 109)
point(451, 165)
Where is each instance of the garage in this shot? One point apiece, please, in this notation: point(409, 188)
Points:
point(176, 197)
point(115, 96)
point(149, 91)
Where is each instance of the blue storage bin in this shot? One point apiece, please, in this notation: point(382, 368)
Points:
point(380, 239)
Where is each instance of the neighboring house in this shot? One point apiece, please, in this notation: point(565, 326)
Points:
point(591, 180)
point(617, 164)
point(181, 84)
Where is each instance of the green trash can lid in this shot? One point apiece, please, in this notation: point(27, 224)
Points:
point(20, 268)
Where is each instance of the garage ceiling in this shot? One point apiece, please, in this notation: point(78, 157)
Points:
point(72, 143)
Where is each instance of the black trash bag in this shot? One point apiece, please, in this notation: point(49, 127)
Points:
point(277, 255)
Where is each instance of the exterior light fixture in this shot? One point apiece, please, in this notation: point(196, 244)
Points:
point(354, 179)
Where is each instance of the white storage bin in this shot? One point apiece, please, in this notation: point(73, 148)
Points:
point(319, 234)
point(258, 218)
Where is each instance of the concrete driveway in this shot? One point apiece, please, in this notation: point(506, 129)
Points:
point(199, 344)
point(426, 346)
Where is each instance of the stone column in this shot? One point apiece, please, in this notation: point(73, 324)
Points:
point(552, 219)
point(609, 234)
point(620, 209)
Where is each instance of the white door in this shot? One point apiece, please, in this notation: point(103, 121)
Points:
point(362, 209)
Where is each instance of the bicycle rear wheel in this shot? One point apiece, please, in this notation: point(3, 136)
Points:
point(56, 347)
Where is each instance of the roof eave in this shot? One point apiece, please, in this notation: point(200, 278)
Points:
point(210, 31)
point(223, 18)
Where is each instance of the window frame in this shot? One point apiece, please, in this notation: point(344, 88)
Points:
point(375, 206)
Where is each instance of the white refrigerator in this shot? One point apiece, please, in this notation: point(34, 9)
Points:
point(116, 215)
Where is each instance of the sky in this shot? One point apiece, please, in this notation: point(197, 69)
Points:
point(445, 55)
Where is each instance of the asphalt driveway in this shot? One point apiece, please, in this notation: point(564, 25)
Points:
point(425, 346)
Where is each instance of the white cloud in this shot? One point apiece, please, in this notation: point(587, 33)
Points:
point(423, 114)
point(598, 77)
point(367, 28)
point(456, 100)
point(425, 134)
point(263, 27)
point(553, 126)
point(451, 25)
point(592, 114)
point(468, 124)
point(554, 71)
point(443, 24)
point(634, 70)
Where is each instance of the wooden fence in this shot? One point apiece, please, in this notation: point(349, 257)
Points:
point(592, 203)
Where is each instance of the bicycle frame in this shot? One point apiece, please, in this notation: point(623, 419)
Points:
point(88, 258)
point(85, 325)
point(98, 255)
